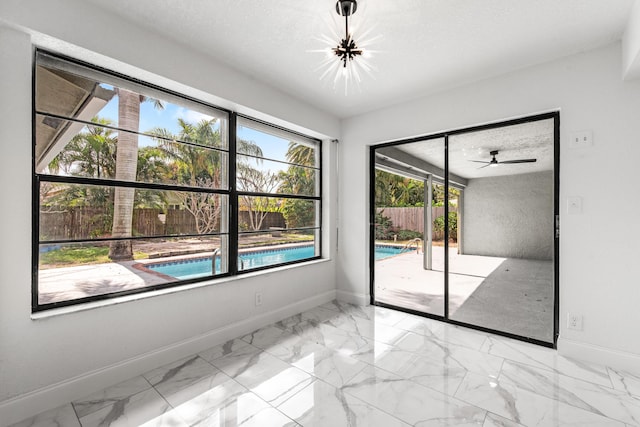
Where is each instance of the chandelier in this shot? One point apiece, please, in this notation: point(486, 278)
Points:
point(347, 49)
point(351, 56)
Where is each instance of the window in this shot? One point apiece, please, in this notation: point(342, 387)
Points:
point(138, 188)
point(278, 182)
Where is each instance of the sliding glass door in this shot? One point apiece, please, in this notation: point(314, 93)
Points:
point(501, 277)
point(463, 227)
point(409, 246)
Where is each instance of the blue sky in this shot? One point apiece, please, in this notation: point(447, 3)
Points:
point(167, 118)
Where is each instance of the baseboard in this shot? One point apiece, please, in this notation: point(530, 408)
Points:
point(352, 297)
point(52, 396)
point(616, 359)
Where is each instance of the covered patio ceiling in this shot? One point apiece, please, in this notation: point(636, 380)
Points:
point(531, 140)
point(70, 96)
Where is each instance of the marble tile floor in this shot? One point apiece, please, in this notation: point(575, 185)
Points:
point(345, 365)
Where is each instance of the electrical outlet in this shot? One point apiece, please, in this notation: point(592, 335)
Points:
point(258, 298)
point(581, 139)
point(574, 321)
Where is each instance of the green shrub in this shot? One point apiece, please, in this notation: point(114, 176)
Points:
point(409, 235)
point(438, 224)
point(297, 213)
point(384, 227)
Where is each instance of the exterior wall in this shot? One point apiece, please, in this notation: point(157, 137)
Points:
point(510, 216)
point(597, 278)
point(48, 359)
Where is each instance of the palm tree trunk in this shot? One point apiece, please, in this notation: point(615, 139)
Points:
point(126, 167)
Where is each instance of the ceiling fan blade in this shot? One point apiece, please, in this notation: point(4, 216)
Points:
point(487, 165)
point(519, 161)
point(479, 161)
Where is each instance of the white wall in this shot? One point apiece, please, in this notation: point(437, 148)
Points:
point(597, 255)
point(631, 45)
point(45, 362)
point(509, 216)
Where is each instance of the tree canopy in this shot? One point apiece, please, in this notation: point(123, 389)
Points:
point(299, 178)
point(395, 191)
point(194, 156)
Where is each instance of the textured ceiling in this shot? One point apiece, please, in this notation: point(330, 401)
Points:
point(532, 140)
point(426, 45)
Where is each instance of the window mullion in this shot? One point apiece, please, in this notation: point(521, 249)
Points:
point(233, 196)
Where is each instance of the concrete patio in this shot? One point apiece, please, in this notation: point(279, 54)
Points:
point(81, 281)
point(68, 283)
point(506, 294)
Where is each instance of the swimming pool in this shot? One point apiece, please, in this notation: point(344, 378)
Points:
point(263, 258)
point(191, 268)
point(383, 251)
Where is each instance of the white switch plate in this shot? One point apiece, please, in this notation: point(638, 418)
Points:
point(574, 205)
point(581, 139)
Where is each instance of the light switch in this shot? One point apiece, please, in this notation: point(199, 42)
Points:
point(574, 205)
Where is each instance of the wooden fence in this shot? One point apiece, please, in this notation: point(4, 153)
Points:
point(412, 218)
point(272, 219)
point(87, 222)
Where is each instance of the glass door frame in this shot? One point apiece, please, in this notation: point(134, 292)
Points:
point(555, 115)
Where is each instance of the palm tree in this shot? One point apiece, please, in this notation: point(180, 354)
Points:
point(91, 153)
point(301, 154)
point(195, 167)
point(193, 163)
point(393, 190)
point(126, 168)
point(199, 166)
point(299, 179)
point(152, 167)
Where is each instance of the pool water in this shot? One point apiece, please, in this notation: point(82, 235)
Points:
point(187, 268)
point(191, 268)
point(199, 267)
point(257, 259)
point(387, 251)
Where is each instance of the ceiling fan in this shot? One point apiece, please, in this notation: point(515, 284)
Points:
point(495, 162)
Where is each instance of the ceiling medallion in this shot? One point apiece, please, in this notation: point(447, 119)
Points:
point(351, 56)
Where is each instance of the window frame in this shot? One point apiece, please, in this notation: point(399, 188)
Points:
point(232, 193)
point(315, 198)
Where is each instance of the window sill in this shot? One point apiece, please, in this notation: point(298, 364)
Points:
point(54, 312)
